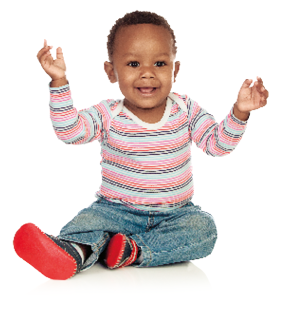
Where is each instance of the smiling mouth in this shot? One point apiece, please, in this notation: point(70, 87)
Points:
point(146, 90)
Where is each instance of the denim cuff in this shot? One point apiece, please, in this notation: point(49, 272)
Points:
point(147, 253)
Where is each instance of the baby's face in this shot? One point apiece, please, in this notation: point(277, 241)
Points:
point(143, 65)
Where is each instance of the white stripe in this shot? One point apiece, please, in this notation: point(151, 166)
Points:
point(157, 125)
point(179, 101)
point(78, 249)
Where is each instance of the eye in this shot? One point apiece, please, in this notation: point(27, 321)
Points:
point(133, 64)
point(160, 63)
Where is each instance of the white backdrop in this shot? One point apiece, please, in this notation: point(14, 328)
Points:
point(43, 181)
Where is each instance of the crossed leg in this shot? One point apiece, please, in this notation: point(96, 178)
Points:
point(191, 234)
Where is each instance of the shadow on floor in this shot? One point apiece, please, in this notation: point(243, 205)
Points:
point(184, 275)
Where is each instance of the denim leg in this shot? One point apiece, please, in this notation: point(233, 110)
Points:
point(186, 234)
point(164, 237)
point(97, 240)
point(95, 225)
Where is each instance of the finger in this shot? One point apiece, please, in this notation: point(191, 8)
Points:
point(43, 50)
point(266, 94)
point(60, 55)
point(263, 103)
point(262, 91)
point(44, 57)
point(247, 83)
point(258, 84)
point(41, 53)
point(260, 88)
point(259, 80)
point(45, 44)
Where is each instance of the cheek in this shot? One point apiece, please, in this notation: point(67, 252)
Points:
point(167, 76)
point(126, 78)
point(125, 85)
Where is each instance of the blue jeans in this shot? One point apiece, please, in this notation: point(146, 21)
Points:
point(183, 234)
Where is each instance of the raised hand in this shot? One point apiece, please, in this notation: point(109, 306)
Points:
point(252, 98)
point(54, 68)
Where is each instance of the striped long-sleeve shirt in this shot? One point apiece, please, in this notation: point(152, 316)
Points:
point(145, 166)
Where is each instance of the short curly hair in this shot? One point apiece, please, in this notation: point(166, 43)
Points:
point(134, 18)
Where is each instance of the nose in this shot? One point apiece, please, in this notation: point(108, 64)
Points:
point(148, 73)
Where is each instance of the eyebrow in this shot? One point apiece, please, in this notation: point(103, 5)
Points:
point(133, 54)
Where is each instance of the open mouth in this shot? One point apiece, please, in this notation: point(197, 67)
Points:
point(147, 90)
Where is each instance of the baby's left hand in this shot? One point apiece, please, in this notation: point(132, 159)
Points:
point(251, 98)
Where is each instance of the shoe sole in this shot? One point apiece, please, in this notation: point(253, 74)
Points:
point(42, 253)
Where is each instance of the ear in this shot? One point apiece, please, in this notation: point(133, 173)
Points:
point(109, 69)
point(176, 69)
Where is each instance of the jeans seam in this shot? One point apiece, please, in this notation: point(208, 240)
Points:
point(103, 240)
point(150, 223)
point(96, 252)
point(148, 249)
point(72, 239)
point(97, 245)
point(191, 245)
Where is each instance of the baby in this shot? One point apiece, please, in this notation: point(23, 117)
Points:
point(143, 214)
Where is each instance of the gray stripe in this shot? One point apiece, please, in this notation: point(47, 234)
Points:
point(145, 190)
point(144, 172)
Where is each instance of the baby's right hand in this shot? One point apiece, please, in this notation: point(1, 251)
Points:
point(54, 68)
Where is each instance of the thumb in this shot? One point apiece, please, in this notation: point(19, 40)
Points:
point(60, 53)
point(247, 83)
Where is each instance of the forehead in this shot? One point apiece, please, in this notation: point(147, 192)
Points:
point(149, 37)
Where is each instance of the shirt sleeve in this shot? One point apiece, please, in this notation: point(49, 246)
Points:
point(72, 126)
point(213, 138)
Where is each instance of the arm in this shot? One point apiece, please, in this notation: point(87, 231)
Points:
point(72, 126)
point(220, 139)
point(213, 138)
point(244, 116)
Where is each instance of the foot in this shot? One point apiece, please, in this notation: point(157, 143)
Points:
point(54, 258)
point(121, 252)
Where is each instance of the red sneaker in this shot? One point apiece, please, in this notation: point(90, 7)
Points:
point(52, 257)
point(121, 252)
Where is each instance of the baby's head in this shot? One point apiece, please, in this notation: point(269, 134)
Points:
point(134, 18)
point(142, 50)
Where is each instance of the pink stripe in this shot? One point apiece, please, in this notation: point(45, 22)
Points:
point(143, 200)
point(147, 183)
point(172, 162)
